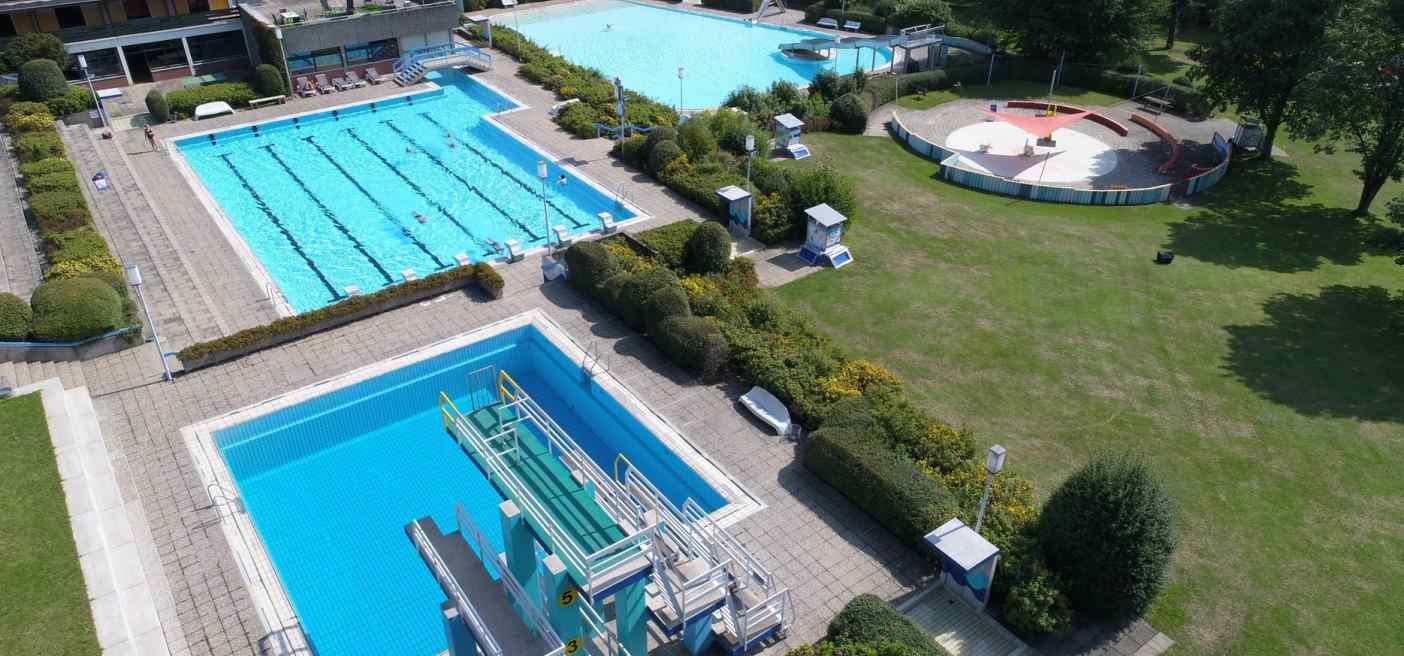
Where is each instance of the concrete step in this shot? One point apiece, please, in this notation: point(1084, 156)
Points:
point(7, 375)
point(22, 375)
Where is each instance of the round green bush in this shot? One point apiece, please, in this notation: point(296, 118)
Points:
point(589, 265)
point(15, 318)
point(664, 304)
point(657, 136)
point(708, 250)
point(578, 119)
point(662, 155)
point(868, 619)
point(849, 114)
point(694, 343)
point(35, 45)
point(41, 80)
point(268, 80)
point(1036, 606)
point(74, 309)
point(1108, 532)
point(157, 106)
point(637, 290)
point(113, 279)
point(611, 291)
point(74, 99)
point(696, 139)
point(631, 150)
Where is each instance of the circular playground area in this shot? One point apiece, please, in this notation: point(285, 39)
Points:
point(1009, 152)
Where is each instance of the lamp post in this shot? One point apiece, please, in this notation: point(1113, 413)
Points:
point(545, 216)
point(83, 66)
point(283, 52)
point(682, 72)
point(134, 279)
point(994, 461)
point(750, 152)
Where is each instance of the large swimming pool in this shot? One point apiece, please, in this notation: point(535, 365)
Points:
point(331, 199)
point(644, 46)
point(331, 481)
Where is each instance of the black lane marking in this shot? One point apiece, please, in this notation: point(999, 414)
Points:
point(417, 189)
point(258, 200)
point(483, 156)
point(365, 192)
point(460, 179)
point(326, 211)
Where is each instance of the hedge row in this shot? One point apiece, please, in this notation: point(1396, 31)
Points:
point(866, 618)
point(573, 82)
point(289, 328)
point(182, 103)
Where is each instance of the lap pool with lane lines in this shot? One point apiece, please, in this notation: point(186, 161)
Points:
point(329, 200)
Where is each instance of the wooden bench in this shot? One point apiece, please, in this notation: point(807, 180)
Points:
point(1160, 104)
point(270, 100)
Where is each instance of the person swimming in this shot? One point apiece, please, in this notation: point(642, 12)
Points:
point(421, 218)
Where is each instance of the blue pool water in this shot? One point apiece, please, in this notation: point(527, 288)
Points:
point(329, 200)
point(331, 482)
point(645, 45)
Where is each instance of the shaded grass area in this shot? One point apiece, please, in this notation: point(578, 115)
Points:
point(1173, 62)
point(1009, 90)
point(44, 606)
point(1260, 373)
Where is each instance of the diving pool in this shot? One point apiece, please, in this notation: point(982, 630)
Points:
point(330, 199)
point(644, 45)
point(330, 479)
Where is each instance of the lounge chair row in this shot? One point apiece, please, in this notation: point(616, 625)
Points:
point(307, 87)
point(849, 25)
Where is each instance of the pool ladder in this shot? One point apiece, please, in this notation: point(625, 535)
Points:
point(591, 363)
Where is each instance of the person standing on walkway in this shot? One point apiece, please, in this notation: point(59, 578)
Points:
point(151, 138)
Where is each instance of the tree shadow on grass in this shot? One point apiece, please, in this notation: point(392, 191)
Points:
point(1248, 222)
point(1332, 354)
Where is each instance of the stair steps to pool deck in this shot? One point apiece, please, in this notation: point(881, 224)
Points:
point(20, 374)
point(414, 65)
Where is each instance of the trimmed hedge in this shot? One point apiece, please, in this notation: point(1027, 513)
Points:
point(884, 483)
point(489, 279)
point(58, 211)
point(868, 619)
point(183, 103)
point(77, 244)
point(15, 318)
point(849, 114)
point(665, 304)
point(30, 122)
point(41, 80)
point(670, 241)
point(60, 181)
point(157, 107)
point(589, 265)
point(31, 46)
point(46, 166)
point(637, 290)
point(708, 249)
point(35, 146)
point(73, 100)
point(74, 309)
point(695, 343)
point(288, 329)
point(267, 80)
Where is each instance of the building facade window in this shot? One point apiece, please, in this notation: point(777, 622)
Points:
point(197, 6)
point(101, 64)
point(159, 54)
point(315, 61)
point(136, 9)
point(70, 16)
point(365, 53)
point(214, 47)
point(7, 25)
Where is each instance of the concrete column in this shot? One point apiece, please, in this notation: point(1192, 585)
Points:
point(189, 61)
point(519, 545)
point(631, 617)
point(563, 603)
point(461, 641)
point(122, 59)
point(697, 634)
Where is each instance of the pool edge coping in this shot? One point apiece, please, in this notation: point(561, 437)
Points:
point(260, 273)
point(251, 555)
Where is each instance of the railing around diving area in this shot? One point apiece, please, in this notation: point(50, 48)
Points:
point(443, 50)
point(487, 644)
point(532, 606)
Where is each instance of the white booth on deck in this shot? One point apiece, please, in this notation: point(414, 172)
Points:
point(738, 209)
point(967, 561)
point(787, 135)
point(823, 229)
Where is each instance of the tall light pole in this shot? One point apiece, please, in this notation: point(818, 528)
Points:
point(545, 216)
point(994, 461)
point(102, 113)
point(283, 52)
point(682, 72)
point(750, 152)
point(134, 279)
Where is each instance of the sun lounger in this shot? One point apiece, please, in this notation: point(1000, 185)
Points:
point(323, 86)
point(354, 80)
point(212, 109)
point(828, 22)
point(852, 25)
point(305, 87)
point(768, 409)
point(374, 76)
point(340, 83)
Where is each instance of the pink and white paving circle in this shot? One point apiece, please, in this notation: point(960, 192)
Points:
point(998, 148)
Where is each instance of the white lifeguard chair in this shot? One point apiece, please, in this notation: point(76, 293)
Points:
point(821, 237)
point(787, 135)
point(738, 209)
point(967, 560)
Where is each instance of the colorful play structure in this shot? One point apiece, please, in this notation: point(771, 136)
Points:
point(575, 539)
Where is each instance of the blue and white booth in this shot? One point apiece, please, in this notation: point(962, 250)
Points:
point(967, 561)
point(823, 229)
point(738, 209)
point(787, 135)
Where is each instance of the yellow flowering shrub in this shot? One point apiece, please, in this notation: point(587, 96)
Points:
point(626, 258)
point(75, 268)
point(853, 378)
point(697, 287)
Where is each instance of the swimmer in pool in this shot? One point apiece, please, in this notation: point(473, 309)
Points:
point(421, 218)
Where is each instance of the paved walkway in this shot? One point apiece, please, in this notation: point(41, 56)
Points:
point(19, 257)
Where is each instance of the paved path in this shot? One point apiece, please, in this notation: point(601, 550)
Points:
point(19, 257)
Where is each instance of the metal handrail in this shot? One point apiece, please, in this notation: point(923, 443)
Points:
point(536, 617)
point(438, 51)
point(486, 642)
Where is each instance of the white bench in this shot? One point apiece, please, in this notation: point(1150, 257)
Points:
point(270, 100)
point(852, 25)
point(212, 109)
point(828, 22)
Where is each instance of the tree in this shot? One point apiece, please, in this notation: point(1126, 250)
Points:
point(1088, 30)
point(1356, 96)
point(40, 80)
point(1263, 51)
point(35, 45)
point(1172, 28)
point(1108, 532)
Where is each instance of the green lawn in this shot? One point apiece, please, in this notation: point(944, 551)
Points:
point(43, 606)
point(1260, 372)
point(1009, 90)
point(1172, 63)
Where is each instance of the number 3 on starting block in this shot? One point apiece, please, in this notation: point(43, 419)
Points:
point(572, 646)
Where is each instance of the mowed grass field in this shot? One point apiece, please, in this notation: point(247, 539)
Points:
point(1262, 373)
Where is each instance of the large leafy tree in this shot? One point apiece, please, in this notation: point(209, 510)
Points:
point(1087, 30)
point(1264, 51)
point(1355, 98)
